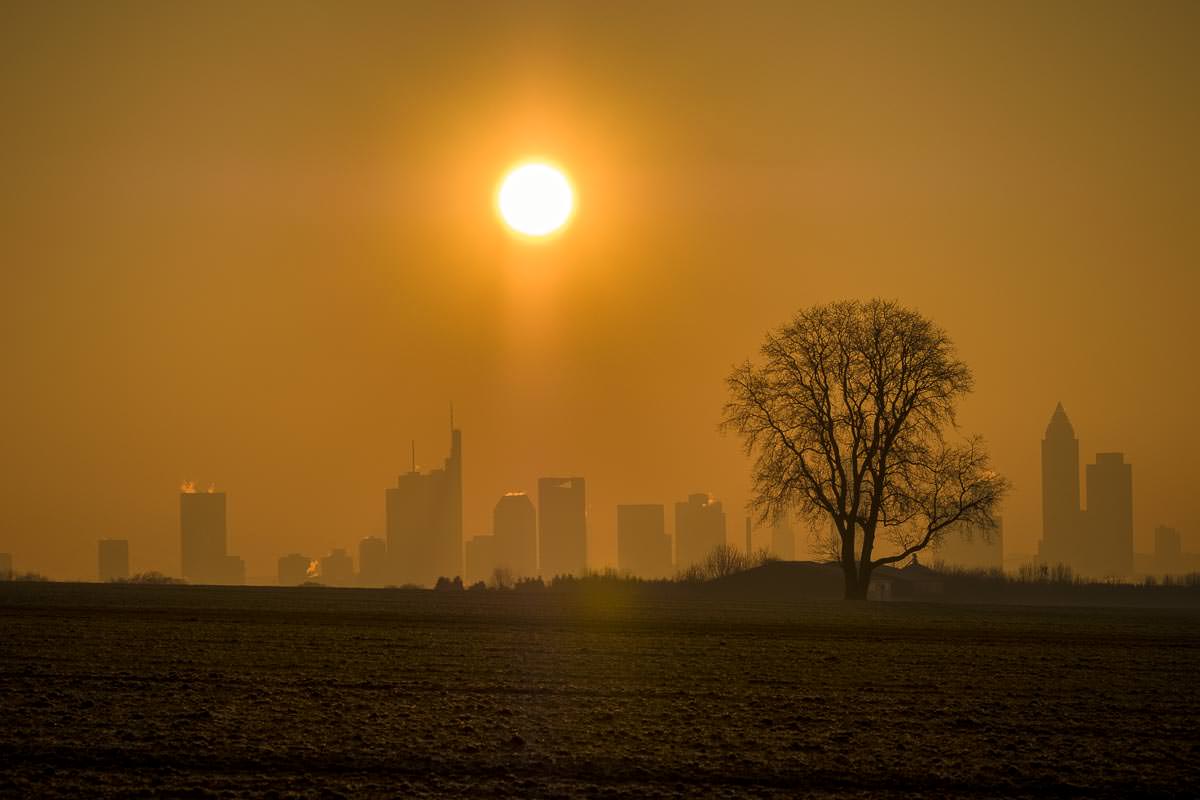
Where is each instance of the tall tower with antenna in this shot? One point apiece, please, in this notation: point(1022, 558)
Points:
point(424, 520)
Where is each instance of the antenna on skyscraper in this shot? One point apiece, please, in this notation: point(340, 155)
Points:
point(414, 455)
point(451, 416)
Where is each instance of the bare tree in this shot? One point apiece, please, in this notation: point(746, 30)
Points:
point(724, 560)
point(847, 421)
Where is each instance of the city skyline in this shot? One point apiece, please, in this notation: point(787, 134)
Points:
point(309, 287)
point(1057, 465)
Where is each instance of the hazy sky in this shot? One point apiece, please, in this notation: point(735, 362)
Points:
point(254, 244)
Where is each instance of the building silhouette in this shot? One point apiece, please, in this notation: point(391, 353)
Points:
point(562, 544)
point(424, 521)
point(699, 527)
point(783, 539)
point(203, 539)
point(514, 526)
point(1168, 551)
point(113, 560)
point(372, 562)
point(337, 568)
point(295, 569)
point(1097, 541)
point(969, 547)
point(481, 559)
point(6, 567)
point(1109, 518)
point(1062, 534)
point(643, 547)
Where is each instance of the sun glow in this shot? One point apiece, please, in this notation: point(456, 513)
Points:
point(535, 199)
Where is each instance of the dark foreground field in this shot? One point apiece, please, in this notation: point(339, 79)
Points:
point(138, 691)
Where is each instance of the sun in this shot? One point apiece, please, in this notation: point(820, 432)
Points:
point(535, 199)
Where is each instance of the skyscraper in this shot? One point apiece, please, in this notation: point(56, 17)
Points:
point(1109, 517)
point(562, 508)
point(514, 525)
point(113, 560)
point(481, 559)
point(295, 569)
point(1168, 550)
point(699, 527)
point(1061, 522)
point(643, 547)
point(372, 562)
point(424, 521)
point(202, 538)
point(337, 568)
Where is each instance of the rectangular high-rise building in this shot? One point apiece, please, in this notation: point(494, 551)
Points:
point(1108, 550)
point(202, 535)
point(6, 567)
point(481, 559)
point(1168, 551)
point(699, 528)
point(113, 560)
point(643, 547)
point(337, 568)
point(514, 524)
point(372, 562)
point(424, 522)
point(562, 537)
point(295, 569)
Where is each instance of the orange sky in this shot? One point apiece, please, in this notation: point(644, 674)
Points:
point(256, 246)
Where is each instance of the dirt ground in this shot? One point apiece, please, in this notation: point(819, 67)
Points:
point(194, 692)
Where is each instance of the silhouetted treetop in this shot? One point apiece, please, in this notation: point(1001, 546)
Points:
point(846, 417)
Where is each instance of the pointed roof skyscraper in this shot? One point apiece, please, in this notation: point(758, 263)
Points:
point(1060, 426)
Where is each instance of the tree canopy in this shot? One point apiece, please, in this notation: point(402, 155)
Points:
point(848, 419)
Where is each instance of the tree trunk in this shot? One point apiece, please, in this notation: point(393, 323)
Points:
point(852, 588)
point(849, 567)
point(858, 580)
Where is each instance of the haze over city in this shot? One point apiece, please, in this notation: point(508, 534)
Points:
point(252, 247)
point(576, 399)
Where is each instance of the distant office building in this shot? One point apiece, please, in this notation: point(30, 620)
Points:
point(699, 527)
point(481, 559)
point(514, 526)
point(372, 562)
point(233, 571)
point(1168, 551)
point(203, 539)
point(971, 548)
point(562, 508)
point(1109, 517)
point(6, 567)
point(1062, 535)
point(113, 560)
point(1096, 542)
point(643, 547)
point(295, 569)
point(337, 568)
point(424, 522)
point(783, 539)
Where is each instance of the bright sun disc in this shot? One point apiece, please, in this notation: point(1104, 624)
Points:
point(535, 199)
